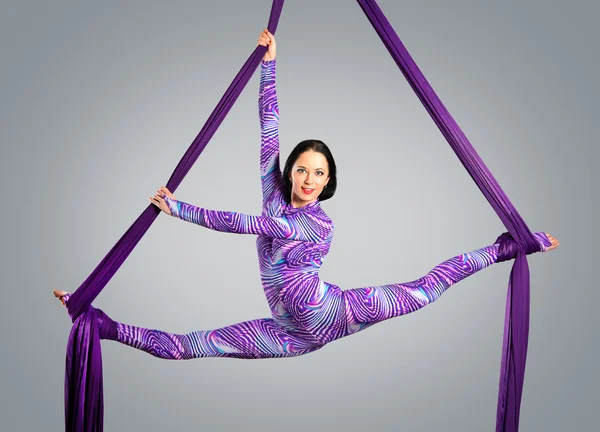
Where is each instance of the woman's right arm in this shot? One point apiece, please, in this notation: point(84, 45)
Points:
point(268, 109)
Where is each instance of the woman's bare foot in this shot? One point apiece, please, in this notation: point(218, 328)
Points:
point(553, 243)
point(59, 295)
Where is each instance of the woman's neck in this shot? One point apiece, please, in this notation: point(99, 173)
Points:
point(298, 204)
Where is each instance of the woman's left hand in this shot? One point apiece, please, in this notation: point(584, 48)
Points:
point(159, 199)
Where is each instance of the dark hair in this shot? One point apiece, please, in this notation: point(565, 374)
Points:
point(314, 145)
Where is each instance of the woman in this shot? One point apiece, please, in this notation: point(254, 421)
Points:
point(294, 235)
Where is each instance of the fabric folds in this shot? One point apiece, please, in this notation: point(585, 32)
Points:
point(83, 371)
point(516, 323)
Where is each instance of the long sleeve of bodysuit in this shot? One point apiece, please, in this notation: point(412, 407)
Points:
point(268, 110)
point(303, 226)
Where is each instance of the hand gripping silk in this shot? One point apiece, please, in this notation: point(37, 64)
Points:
point(307, 313)
point(83, 375)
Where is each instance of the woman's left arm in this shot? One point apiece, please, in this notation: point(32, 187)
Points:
point(300, 226)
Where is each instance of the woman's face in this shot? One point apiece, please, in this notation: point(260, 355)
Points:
point(309, 175)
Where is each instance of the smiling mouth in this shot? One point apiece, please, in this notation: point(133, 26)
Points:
point(307, 191)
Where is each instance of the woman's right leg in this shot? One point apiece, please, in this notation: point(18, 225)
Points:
point(258, 338)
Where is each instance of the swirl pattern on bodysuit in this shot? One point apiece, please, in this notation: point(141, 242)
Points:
point(292, 243)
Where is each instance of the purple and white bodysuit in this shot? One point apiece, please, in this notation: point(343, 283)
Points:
point(306, 312)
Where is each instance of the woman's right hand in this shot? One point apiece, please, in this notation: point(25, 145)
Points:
point(267, 39)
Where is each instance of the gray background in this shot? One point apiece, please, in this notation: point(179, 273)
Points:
point(101, 99)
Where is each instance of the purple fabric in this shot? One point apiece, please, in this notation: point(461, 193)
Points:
point(508, 248)
point(83, 374)
point(516, 323)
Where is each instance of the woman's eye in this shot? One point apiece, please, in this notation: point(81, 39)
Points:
point(318, 172)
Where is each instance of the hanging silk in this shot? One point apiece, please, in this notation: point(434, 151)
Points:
point(516, 320)
point(83, 373)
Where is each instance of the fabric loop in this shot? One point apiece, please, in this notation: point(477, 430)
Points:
point(107, 328)
point(508, 247)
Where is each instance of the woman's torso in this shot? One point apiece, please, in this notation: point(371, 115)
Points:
point(289, 271)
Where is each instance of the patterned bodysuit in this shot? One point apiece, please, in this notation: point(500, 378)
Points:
point(306, 312)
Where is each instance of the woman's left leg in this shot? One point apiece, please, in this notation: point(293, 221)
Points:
point(324, 312)
point(367, 306)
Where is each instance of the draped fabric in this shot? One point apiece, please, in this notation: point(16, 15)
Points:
point(516, 320)
point(83, 372)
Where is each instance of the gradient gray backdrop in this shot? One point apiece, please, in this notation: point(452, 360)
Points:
point(101, 99)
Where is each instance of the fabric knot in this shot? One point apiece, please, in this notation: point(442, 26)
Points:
point(508, 247)
point(107, 328)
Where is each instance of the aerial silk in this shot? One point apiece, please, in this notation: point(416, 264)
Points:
point(83, 373)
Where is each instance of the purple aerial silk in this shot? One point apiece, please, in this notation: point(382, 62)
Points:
point(516, 321)
point(83, 374)
point(84, 403)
